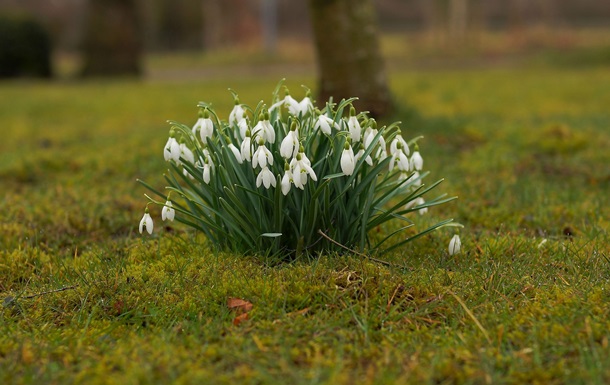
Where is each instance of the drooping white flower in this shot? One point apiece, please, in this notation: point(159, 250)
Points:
point(286, 180)
point(237, 113)
point(266, 178)
point(186, 153)
point(146, 222)
point(290, 145)
point(360, 153)
point(398, 143)
point(415, 179)
point(399, 151)
point(168, 212)
point(304, 106)
point(369, 134)
point(381, 153)
point(290, 103)
point(207, 173)
point(455, 245)
point(171, 151)
point(325, 124)
point(246, 148)
point(355, 131)
point(399, 159)
point(236, 153)
point(416, 162)
point(301, 167)
point(348, 161)
point(243, 127)
point(263, 129)
point(262, 156)
point(204, 125)
point(207, 165)
point(417, 202)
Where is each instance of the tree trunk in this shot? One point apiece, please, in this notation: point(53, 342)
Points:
point(112, 41)
point(349, 59)
point(458, 19)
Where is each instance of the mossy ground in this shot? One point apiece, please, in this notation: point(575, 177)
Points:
point(528, 300)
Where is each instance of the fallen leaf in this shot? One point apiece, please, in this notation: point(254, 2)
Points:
point(240, 318)
point(239, 305)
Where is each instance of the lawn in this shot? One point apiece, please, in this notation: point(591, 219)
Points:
point(87, 299)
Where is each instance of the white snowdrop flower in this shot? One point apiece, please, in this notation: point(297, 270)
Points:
point(398, 143)
point(266, 178)
point(237, 113)
point(381, 153)
point(400, 160)
point(146, 222)
point(208, 157)
point(262, 156)
point(301, 167)
point(186, 153)
point(204, 125)
point(368, 137)
point(455, 245)
point(403, 162)
point(286, 180)
point(171, 151)
point(416, 162)
point(370, 133)
point(355, 131)
point(263, 129)
point(348, 161)
point(360, 153)
point(291, 104)
point(243, 126)
point(207, 165)
point(304, 106)
point(168, 212)
point(207, 172)
point(236, 153)
point(417, 202)
point(325, 124)
point(277, 104)
point(246, 148)
point(399, 151)
point(415, 179)
point(290, 145)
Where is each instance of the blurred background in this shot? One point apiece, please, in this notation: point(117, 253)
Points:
point(199, 38)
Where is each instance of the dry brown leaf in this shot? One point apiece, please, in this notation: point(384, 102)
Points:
point(240, 318)
point(239, 305)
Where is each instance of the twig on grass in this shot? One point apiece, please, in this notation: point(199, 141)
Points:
point(50, 292)
point(10, 299)
point(386, 263)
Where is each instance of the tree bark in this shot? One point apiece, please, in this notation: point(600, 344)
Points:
point(112, 41)
point(348, 54)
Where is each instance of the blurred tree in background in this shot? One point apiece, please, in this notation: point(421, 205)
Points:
point(112, 42)
point(25, 47)
point(280, 29)
point(348, 54)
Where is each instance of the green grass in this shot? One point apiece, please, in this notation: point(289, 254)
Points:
point(526, 150)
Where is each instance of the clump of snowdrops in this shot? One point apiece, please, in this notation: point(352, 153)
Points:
point(287, 179)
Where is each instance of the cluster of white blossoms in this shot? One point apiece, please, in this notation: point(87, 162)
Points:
point(255, 143)
point(280, 144)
